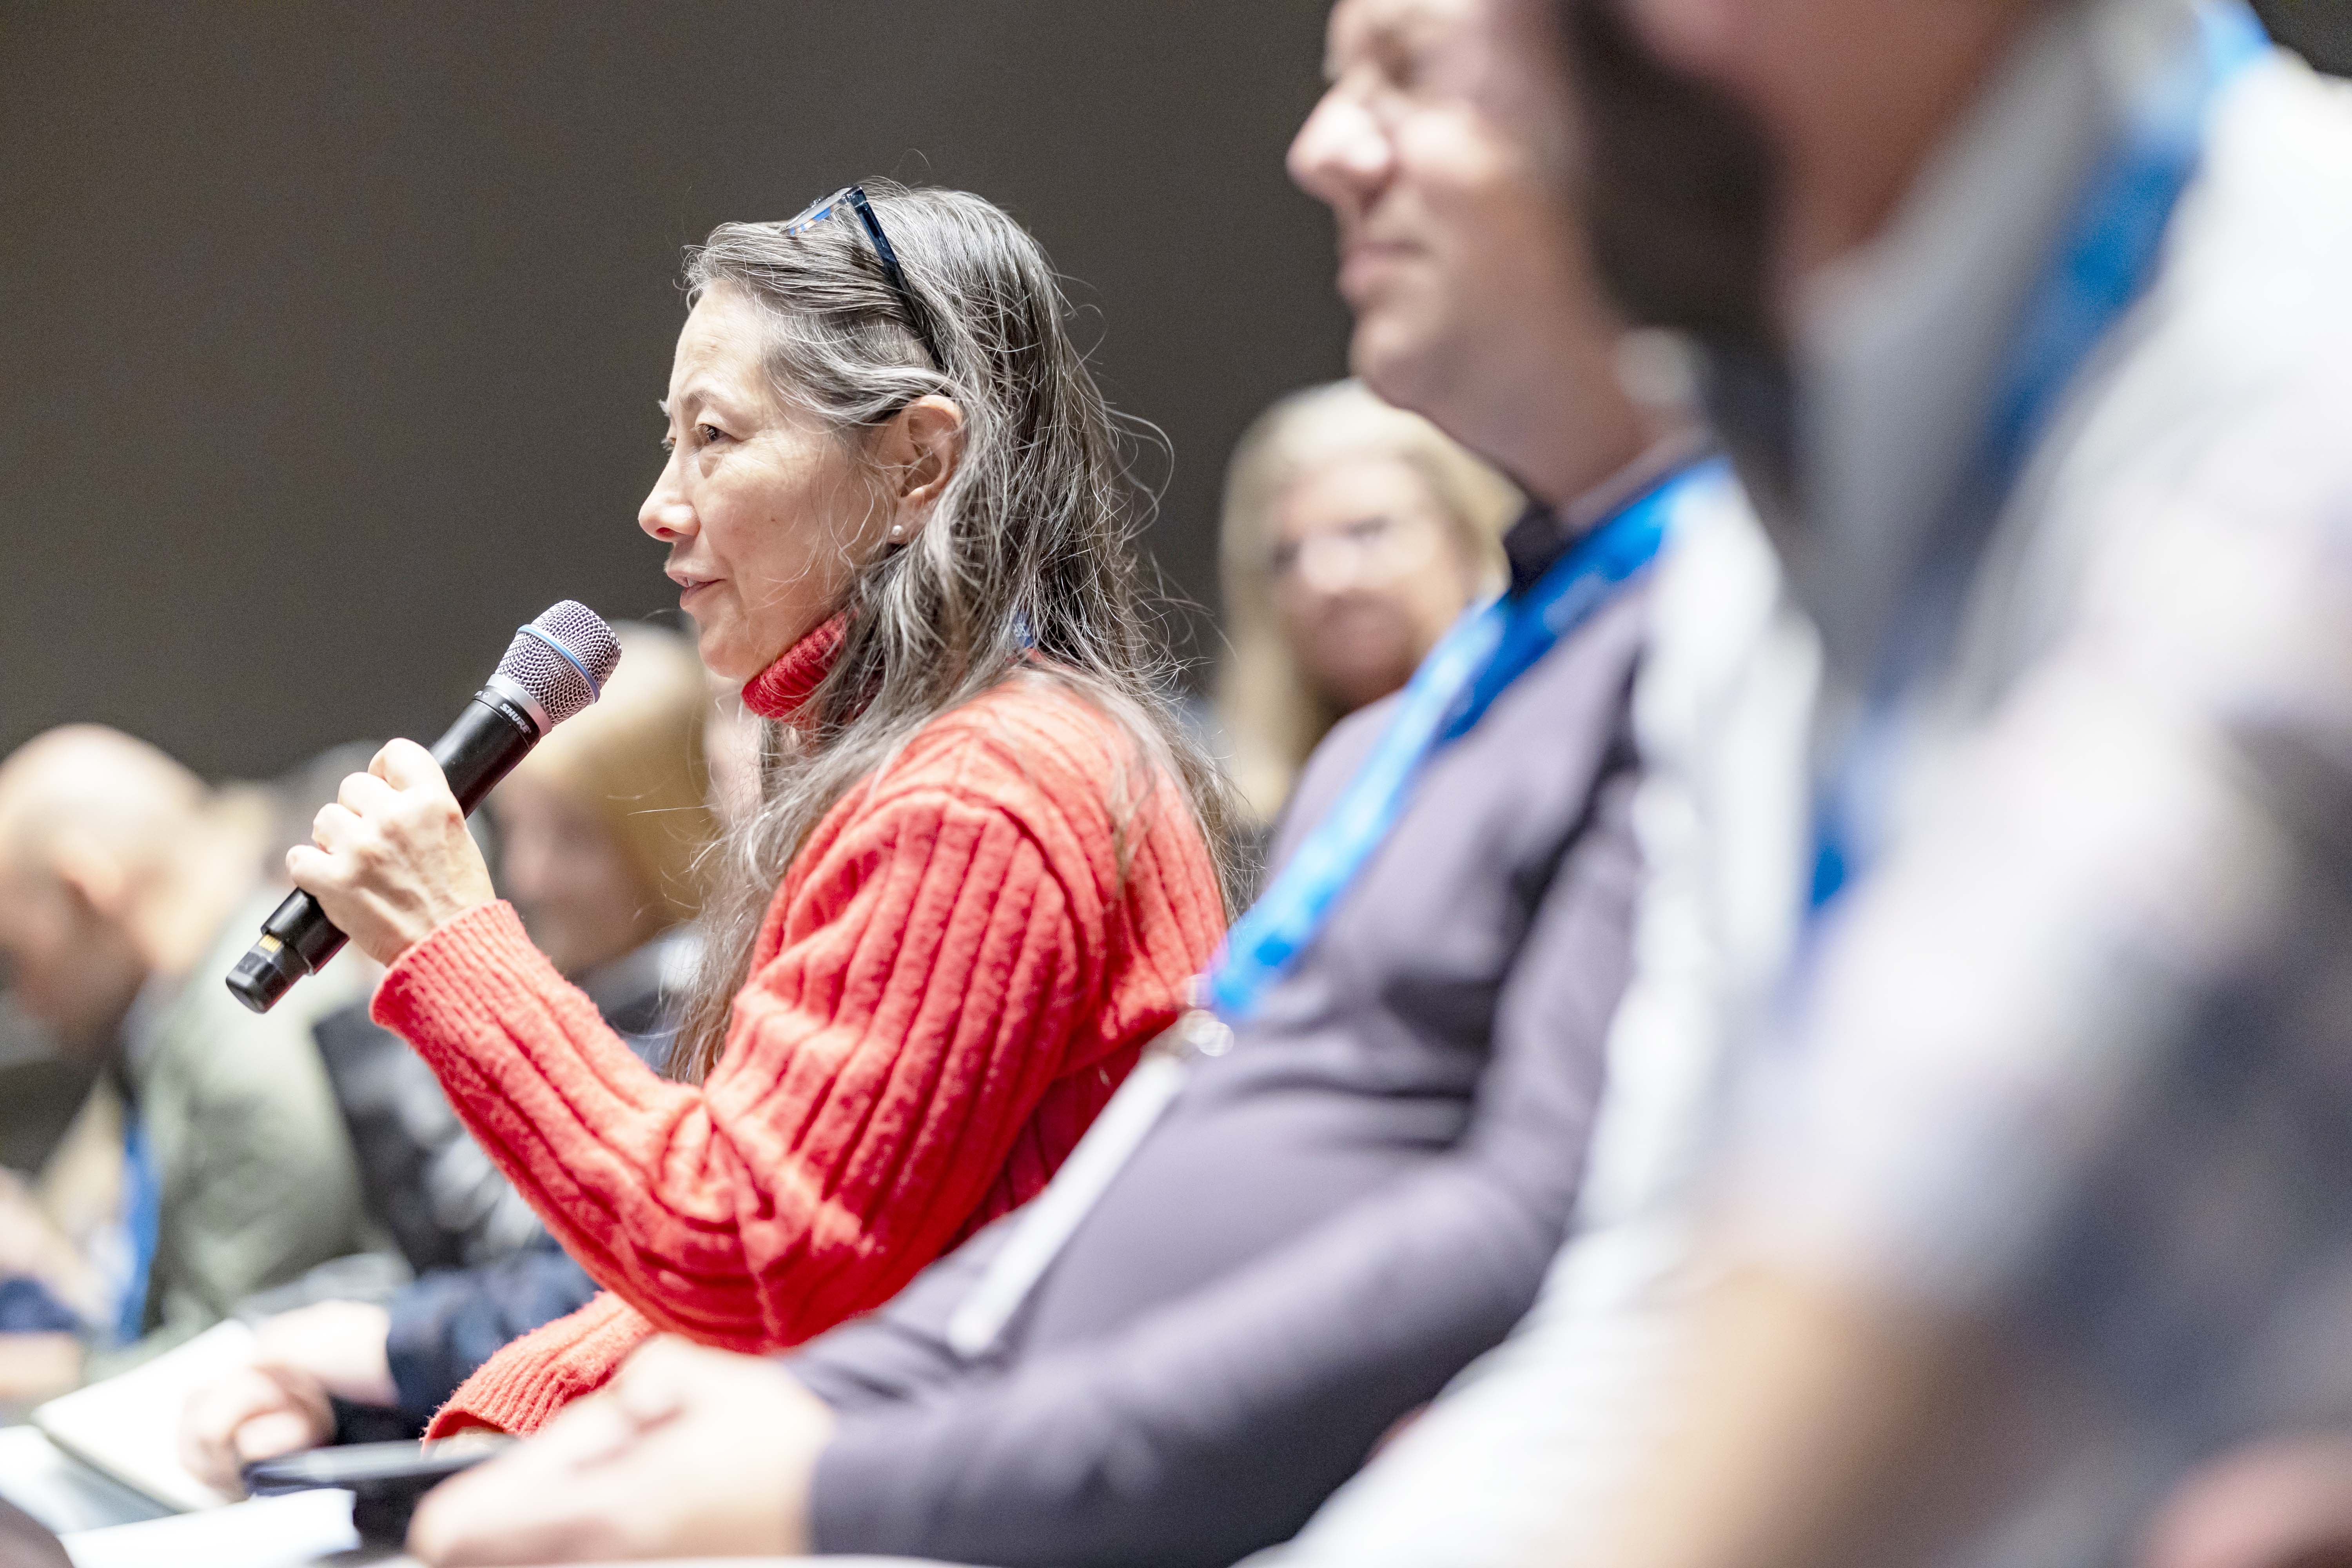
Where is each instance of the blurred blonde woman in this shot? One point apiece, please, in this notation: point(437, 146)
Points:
point(1354, 535)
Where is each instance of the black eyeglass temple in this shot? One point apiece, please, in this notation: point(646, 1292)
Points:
point(893, 275)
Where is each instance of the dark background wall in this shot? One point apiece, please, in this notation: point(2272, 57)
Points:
point(329, 333)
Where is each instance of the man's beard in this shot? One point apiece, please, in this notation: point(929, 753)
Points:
point(1680, 186)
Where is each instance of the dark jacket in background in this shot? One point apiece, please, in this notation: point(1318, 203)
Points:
point(449, 1323)
point(1329, 1222)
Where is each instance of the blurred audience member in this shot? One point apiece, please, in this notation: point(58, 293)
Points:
point(602, 831)
point(1174, 1360)
point(1355, 535)
point(2029, 327)
point(210, 1161)
point(1721, 705)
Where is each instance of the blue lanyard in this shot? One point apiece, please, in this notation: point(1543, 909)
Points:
point(1472, 665)
point(2106, 256)
point(142, 1205)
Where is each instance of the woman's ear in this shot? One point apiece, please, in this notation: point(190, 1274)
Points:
point(920, 449)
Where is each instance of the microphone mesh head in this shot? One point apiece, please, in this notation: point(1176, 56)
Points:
point(563, 658)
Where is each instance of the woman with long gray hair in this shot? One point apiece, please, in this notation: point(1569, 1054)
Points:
point(985, 861)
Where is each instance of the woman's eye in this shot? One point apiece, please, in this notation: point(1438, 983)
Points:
point(707, 434)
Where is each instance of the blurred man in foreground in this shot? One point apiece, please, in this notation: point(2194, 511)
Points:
point(126, 890)
point(2027, 325)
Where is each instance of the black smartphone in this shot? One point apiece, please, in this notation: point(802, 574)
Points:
point(385, 1480)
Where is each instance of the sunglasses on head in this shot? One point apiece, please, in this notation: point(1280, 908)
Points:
point(854, 198)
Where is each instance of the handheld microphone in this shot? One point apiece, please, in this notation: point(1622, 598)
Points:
point(555, 666)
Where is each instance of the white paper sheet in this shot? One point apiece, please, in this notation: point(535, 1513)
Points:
point(268, 1533)
point(129, 1426)
point(60, 1490)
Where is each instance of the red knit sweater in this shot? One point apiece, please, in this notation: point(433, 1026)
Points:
point(962, 963)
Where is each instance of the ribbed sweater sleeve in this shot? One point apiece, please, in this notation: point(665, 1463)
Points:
point(912, 1001)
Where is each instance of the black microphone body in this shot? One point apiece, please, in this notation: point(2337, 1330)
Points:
point(555, 666)
point(491, 736)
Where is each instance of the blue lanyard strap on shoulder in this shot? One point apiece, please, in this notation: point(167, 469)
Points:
point(2106, 256)
point(2108, 252)
point(1471, 666)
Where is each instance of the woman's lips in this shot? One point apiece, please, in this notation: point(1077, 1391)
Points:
point(687, 591)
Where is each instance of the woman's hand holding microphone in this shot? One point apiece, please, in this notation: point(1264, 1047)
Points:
point(392, 861)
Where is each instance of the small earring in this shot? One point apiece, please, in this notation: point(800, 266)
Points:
point(898, 530)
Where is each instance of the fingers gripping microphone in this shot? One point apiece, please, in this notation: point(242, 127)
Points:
point(555, 666)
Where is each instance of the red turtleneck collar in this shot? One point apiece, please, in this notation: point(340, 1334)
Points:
point(782, 689)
